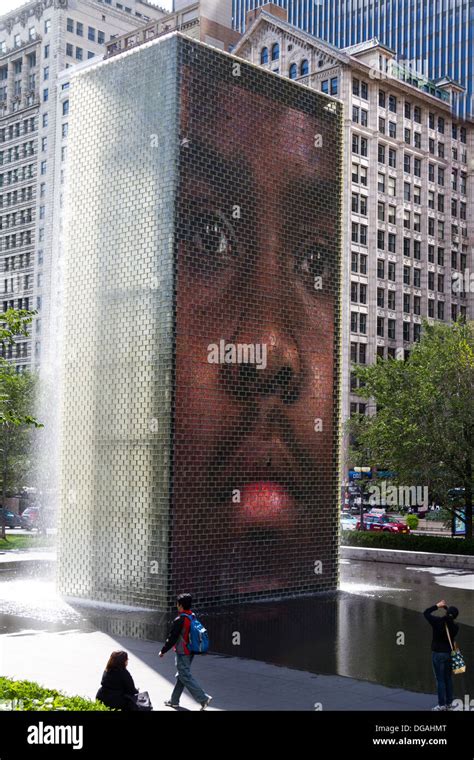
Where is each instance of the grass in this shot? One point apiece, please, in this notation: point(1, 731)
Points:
point(410, 542)
point(28, 695)
point(32, 541)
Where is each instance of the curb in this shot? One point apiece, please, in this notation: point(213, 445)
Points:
point(403, 557)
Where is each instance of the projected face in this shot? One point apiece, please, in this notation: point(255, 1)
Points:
point(254, 445)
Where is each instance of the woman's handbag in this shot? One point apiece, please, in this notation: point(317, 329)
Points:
point(143, 701)
point(457, 660)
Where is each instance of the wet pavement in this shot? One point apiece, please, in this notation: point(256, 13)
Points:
point(371, 630)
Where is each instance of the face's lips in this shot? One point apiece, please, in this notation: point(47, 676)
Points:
point(265, 503)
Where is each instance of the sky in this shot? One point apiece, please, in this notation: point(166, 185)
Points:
point(9, 5)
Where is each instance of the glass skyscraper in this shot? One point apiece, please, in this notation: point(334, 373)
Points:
point(435, 37)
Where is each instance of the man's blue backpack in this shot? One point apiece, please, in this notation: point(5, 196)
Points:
point(198, 636)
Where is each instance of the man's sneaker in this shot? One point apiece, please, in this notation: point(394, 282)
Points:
point(206, 703)
point(169, 703)
point(438, 708)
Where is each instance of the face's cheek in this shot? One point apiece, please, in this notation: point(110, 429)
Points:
point(312, 414)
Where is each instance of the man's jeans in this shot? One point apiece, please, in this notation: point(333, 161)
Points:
point(443, 672)
point(185, 679)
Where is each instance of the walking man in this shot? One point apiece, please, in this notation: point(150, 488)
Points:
point(178, 638)
point(441, 651)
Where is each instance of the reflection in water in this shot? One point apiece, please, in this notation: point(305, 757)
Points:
point(372, 629)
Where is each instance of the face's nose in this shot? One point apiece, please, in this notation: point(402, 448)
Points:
point(267, 364)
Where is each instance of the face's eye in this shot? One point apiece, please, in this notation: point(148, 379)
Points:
point(211, 241)
point(313, 267)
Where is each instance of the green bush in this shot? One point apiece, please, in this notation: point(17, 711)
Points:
point(32, 541)
point(28, 695)
point(412, 521)
point(437, 544)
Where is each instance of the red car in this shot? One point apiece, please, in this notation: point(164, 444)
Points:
point(383, 523)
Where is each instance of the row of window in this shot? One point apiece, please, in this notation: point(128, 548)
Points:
point(16, 240)
point(23, 260)
point(17, 129)
point(16, 196)
point(79, 52)
point(14, 283)
point(17, 152)
point(93, 35)
point(17, 175)
point(32, 35)
point(16, 218)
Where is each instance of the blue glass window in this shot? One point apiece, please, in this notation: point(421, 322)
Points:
point(264, 55)
point(275, 51)
point(304, 68)
point(293, 71)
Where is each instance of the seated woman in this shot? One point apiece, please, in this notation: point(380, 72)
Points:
point(117, 688)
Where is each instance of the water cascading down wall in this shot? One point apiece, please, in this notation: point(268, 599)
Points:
point(201, 371)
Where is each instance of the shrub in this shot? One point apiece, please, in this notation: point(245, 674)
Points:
point(412, 521)
point(436, 544)
point(28, 695)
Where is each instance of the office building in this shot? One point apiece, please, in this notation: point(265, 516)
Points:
point(435, 38)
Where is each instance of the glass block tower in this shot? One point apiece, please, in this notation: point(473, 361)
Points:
point(201, 403)
point(435, 36)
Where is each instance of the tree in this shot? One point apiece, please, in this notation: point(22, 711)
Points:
point(16, 403)
point(423, 428)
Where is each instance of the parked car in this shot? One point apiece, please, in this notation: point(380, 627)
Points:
point(348, 522)
point(11, 519)
point(30, 518)
point(383, 523)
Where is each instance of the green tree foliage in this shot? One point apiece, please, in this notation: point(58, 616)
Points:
point(423, 429)
point(16, 405)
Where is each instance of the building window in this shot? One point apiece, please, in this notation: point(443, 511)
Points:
point(45, 94)
point(391, 300)
point(65, 107)
point(275, 51)
point(334, 85)
point(391, 329)
point(440, 309)
point(263, 55)
point(293, 72)
point(91, 33)
point(407, 110)
point(43, 167)
point(392, 186)
point(46, 51)
point(417, 114)
point(406, 332)
point(380, 326)
point(45, 120)
point(380, 298)
point(79, 54)
point(381, 99)
point(364, 117)
point(392, 242)
point(304, 68)
point(392, 103)
point(79, 29)
point(381, 154)
point(325, 86)
point(407, 164)
point(70, 25)
point(355, 87)
point(392, 158)
point(364, 90)
point(69, 49)
point(101, 37)
point(392, 129)
point(417, 139)
point(381, 125)
point(392, 269)
point(380, 269)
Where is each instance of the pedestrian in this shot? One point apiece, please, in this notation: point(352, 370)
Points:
point(178, 638)
point(441, 651)
point(117, 688)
